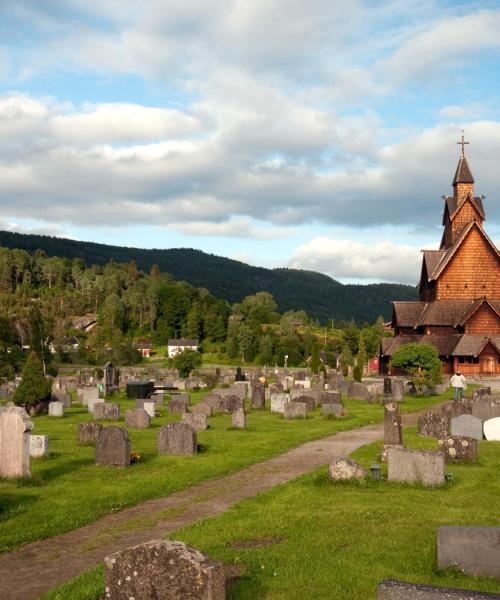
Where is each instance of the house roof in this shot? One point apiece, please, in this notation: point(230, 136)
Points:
point(142, 345)
point(182, 342)
point(463, 173)
point(472, 344)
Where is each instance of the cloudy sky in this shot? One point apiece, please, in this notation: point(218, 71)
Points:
point(316, 134)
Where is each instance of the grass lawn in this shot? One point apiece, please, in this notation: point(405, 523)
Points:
point(315, 539)
point(67, 490)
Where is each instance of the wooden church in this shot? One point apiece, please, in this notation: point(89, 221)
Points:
point(459, 308)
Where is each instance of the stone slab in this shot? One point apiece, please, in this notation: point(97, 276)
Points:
point(457, 447)
point(39, 446)
point(197, 421)
point(414, 466)
point(56, 409)
point(467, 426)
point(473, 550)
point(295, 410)
point(400, 590)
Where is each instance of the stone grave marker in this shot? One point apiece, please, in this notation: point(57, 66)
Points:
point(239, 419)
point(163, 569)
point(258, 396)
point(15, 427)
point(387, 386)
point(39, 446)
point(357, 390)
point(231, 402)
point(492, 429)
point(278, 402)
point(88, 433)
point(198, 421)
point(89, 394)
point(214, 401)
point(455, 409)
point(333, 397)
point(62, 396)
point(113, 447)
point(178, 405)
point(91, 404)
point(331, 408)
point(474, 550)
point(202, 409)
point(412, 466)
point(295, 410)
point(485, 408)
point(56, 409)
point(393, 433)
point(345, 469)
point(484, 391)
point(150, 408)
point(307, 400)
point(137, 419)
point(276, 388)
point(398, 390)
point(400, 590)
point(177, 438)
point(457, 447)
point(106, 411)
point(433, 424)
point(467, 426)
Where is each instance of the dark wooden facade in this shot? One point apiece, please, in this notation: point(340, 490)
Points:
point(459, 307)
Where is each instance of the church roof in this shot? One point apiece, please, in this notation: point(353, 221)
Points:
point(453, 205)
point(432, 259)
point(472, 344)
point(406, 313)
point(466, 344)
point(463, 173)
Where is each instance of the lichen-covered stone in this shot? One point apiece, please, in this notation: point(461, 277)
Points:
point(345, 469)
point(456, 447)
point(113, 447)
point(88, 432)
point(177, 438)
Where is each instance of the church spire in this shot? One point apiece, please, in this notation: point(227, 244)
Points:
point(463, 173)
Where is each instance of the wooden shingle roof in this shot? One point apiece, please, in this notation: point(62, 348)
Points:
point(472, 344)
point(463, 173)
point(453, 206)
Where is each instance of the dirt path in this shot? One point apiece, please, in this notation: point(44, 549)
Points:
point(36, 568)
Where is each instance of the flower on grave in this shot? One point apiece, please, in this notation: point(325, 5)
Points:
point(451, 442)
point(135, 457)
point(465, 443)
point(452, 452)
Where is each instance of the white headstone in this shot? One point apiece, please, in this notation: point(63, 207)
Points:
point(278, 402)
point(39, 446)
point(56, 409)
point(492, 429)
point(150, 408)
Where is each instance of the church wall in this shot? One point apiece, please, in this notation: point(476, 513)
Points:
point(464, 216)
point(473, 272)
point(484, 320)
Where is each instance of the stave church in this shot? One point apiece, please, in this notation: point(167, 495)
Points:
point(459, 307)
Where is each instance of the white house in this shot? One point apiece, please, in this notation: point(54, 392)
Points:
point(176, 346)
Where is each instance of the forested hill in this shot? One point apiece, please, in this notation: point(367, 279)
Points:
point(321, 296)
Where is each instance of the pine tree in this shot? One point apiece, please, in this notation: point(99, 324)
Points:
point(315, 358)
point(34, 386)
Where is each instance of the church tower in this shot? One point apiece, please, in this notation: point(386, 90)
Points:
point(459, 307)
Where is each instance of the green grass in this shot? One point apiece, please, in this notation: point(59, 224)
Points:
point(338, 540)
point(67, 490)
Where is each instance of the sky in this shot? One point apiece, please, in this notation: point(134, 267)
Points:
point(309, 134)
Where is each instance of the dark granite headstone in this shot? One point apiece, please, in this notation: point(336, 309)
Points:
point(88, 432)
point(113, 447)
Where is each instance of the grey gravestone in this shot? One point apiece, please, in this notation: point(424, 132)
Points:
point(332, 409)
point(106, 411)
point(457, 447)
point(178, 405)
point(231, 402)
point(150, 408)
point(492, 429)
point(113, 447)
point(56, 409)
point(295, 410)
point(433, 425)
point(214, 401)
point(258, 396)
point(137, 419)
point(467, 426)
point(177, 438)
point(345, 469)
point(197, 421)
point(163, 569)
point(91, 404)
point(485, 408)
point(474, 550)
point(484, 391)
point(357, 390)
point(62, 396)
point(414, 466)
point(398, 390)
point(88, 432)
point(239, 419)
point(393, 433)
point(90, 394)
point(39, 446)
point(308, 401)
point(400, 590)
point(330, 398)
point(278, 402)
point(387, 386)
point(183, 396)
point(455, 409)
point(202, 409)
point(276, 388)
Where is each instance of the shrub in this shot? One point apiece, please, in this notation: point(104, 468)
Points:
point(34, 386)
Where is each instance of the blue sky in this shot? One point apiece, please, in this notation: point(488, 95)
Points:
point(318, 135)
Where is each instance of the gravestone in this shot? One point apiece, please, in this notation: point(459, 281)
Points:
point(39, 446)
point(258, 396)
point(485, 408)
point(295, 410)
point(455, 409)
point(214, 401)
point(62, 396)
point(393, 433)
point(198, 421)
point(484, 391)
point(398, 390)
point(438, 389)
point(239, 419)
point(137, 419)
point(357, 390)
point(158, 398)
point(88, 433)
point(89, 395)
point(276, 388)
point(202, 409)
point(15, 427)
point(110, 378)
point(91, 404)
point(412, 466)
point(113, 447)
point(56, 409)
point(333, 397)
point(231, 402)
point(387, 386)
point(345, 469)
point(492, 429)
point(163, 569)
point(473, 550)
point(177, 438)
point(457, 447)
point(400, 590)
point(433, 424)
point(278, 402)
point(178, 405)
point(106, 411)
point(467, 426)
point(307, 400)
point(150, 408)
point(328, 408)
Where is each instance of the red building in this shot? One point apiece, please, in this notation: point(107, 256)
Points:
point(459, 307)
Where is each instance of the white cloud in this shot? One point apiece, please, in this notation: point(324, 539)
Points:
point(384, 261)
point(237, 228)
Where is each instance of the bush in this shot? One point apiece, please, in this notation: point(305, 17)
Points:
point(357, 373)
point(34, 386)
point(186, 361)
point(421, 362)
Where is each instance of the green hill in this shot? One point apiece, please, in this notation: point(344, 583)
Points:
point(321, 296)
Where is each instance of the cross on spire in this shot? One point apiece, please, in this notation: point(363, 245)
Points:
point(462, 143)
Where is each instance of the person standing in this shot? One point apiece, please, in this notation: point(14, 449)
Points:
point(458, 384)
